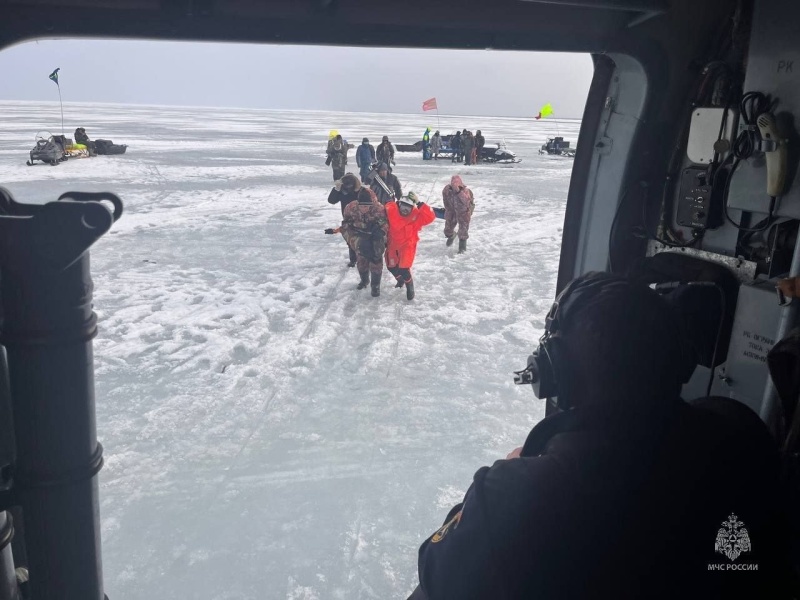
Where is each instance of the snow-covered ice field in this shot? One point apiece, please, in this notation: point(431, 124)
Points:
point(270, 432)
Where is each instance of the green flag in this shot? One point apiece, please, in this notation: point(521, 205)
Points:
point(54, 75)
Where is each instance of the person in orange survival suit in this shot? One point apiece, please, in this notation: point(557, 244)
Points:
point(406, 217)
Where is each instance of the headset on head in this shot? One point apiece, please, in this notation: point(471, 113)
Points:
point(545, 366)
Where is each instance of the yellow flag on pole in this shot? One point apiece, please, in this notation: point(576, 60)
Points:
point(545, 111)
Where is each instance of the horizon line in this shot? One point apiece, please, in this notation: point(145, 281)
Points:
point(287, 109)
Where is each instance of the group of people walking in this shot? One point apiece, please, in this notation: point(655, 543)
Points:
point(380, 224)
point(366, 156)
point(375, 229)
point(465, 146)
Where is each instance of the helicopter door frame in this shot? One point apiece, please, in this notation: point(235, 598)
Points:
point(611, 122)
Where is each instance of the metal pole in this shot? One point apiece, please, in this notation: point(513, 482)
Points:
point(62, 108)
point(47, 331)
point(770, 404)
point(8, 578)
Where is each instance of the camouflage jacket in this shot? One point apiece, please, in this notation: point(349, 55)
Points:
point(338, 155)
point(364, 220)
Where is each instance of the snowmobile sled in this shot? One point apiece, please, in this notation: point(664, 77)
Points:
point(48, 149)
point(109, 147)
point(558, 147)
point(501, 154)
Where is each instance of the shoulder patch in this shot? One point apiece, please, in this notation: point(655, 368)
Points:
point(439, 535)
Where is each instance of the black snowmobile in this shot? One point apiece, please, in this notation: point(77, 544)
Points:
point(49, 149)
point(558, 147)
point(501, 154)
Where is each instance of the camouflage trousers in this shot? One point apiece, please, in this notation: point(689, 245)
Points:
point(364, 264)
point(453, 217)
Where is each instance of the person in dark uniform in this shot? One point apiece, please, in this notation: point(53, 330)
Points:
point(343, 192)
point(625, 491)
point(81, 137)
point(391, 181)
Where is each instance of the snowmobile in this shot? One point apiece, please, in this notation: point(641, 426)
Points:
point(49, 149)
point(557, 146)
point(501, 154)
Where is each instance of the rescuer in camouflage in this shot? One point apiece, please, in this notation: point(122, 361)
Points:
point(364, 226)
point(458, 206)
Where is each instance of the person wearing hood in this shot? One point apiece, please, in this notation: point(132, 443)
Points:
point(345, 191)
point(81, 137)
point(406, 217)
point(391, 182)
point(385, 152)
point(337, 156)
point(364, 227)
point(459, 203)
point(480, 142)
point(436, 145)
point(426, 144)
point(365, 158)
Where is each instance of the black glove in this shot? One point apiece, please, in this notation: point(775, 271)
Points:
point(330, 231)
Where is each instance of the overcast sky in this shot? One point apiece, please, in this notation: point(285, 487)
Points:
point(464, 82)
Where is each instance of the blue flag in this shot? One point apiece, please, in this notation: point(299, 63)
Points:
point(54, 75)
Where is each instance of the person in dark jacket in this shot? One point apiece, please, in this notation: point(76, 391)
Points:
point(385, 152)
point(365, 158)
point(81, 137)
point(480, 142)
point(468, 145)
point(344, 192)
point(625, 491)
point(455, 145)
point(391, 182)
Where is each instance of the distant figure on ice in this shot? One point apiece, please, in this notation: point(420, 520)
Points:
point(345, 191)
point(468, 145)
point(385, 152)
point(364, 227)
point(480, 142)
point(337, 156)
point(406, 217)
point(391, 182)
point(436, 145)
point(365, 158)
point(426, 144)
point(82, 138)
point(458, 206)
point(455, 144)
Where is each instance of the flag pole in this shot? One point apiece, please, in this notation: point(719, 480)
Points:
point(61, 103)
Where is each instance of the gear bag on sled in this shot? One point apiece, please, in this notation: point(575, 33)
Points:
point(109, 147)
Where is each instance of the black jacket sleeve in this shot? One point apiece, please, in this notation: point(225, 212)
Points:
point(492, 540)
point(334, 197)
point(398, 191)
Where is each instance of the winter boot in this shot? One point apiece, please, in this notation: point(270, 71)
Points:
point(399, 283)
point(451, 239)
point(462, 246)
point(376, 284)
point(410, 289)
point(364, 280)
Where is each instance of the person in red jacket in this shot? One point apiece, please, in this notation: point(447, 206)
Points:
point(406, 217)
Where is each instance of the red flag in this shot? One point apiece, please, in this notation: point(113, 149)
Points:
point(430, 104)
